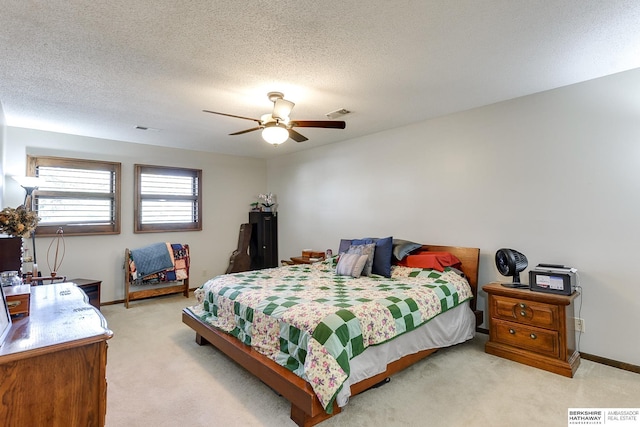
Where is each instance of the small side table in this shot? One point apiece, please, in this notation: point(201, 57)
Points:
point(533, 328)
point(91, 287)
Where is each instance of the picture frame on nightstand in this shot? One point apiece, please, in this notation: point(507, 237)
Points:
point(5, 318)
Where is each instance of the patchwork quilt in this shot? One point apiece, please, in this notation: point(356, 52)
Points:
point(313, 322)
point(177, 267)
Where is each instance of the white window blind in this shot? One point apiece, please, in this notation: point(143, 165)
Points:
point(80, 196)
point(168, 199)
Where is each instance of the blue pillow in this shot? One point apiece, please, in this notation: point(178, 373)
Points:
point(382, 257)
point(346, 243)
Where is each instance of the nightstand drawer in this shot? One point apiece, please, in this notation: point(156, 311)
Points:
point(538, 340)
point(526, 312)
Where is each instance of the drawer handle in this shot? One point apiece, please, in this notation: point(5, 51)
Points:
point(523, 313)
point(511, 331)
point(533, 336)
point(12, 304)
point(523, 305)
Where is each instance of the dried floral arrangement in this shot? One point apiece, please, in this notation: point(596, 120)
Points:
point(18, 222)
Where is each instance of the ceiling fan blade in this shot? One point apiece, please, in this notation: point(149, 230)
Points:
point(282, 108)
point(296, 136)
point(332, 124)
point(231, 115)
point(246, 131)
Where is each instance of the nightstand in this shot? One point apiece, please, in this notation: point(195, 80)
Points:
point(91, 287)
point(534, 328)
point(308, 257)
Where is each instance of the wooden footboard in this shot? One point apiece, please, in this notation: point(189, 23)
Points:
point(306, 409)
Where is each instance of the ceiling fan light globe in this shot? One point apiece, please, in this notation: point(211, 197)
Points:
point(275, 135)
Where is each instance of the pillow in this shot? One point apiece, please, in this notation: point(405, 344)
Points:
point(435, 260)
point(382, 257)
point(368, 250)
point(351, 265)
point(402, 248)
point(346, 243)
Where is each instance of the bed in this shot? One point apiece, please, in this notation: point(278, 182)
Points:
point(318, 364)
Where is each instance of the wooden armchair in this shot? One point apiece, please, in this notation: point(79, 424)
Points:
point(172, 281)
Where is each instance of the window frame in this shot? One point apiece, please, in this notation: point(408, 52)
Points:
point(139, 227)
point(33, 162)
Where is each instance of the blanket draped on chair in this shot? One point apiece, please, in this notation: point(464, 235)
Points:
point(151, 259)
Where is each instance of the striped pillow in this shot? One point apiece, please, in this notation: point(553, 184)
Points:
point(351, 265)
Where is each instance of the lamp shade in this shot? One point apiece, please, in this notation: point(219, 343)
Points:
point(29, 182)
point(275, 134)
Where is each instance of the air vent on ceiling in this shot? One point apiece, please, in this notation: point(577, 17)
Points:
point(337, 113)
point(147, 128)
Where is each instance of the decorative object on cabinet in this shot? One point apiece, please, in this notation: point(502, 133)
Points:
point(91, 288)
point(533, 328)
point(10, 278)
point(263, 247)
point(59, 251)
point(268, 202)
point(240, 259)
point(143, 281)
point(53, 362)
point(18, 222)
point(510, 263)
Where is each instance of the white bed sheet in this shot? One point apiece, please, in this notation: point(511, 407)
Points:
point(449, 328)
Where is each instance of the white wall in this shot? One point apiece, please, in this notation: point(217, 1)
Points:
point(554, 175)
point(2, 145)
point(230, 184)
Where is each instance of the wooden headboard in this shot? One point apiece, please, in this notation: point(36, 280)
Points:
point(470, 258)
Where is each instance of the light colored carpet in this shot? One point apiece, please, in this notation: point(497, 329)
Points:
point(158, 376)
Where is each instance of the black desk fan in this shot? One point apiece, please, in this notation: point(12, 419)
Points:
point(510, 263)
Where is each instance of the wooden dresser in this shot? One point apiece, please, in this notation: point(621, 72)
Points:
point(534, 328)
point(53, 362)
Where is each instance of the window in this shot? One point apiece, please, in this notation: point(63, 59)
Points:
point(167, 199)
point(81, 196)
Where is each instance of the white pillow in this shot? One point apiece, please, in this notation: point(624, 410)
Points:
point(351, 265)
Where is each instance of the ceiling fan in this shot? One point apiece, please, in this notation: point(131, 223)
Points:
point(277, 127)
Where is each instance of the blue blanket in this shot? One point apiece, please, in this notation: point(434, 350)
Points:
point(151, 259)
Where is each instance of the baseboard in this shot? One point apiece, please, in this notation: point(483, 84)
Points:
point(610, 362)
point(593, 358)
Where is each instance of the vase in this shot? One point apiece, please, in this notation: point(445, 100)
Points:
point(266, 209)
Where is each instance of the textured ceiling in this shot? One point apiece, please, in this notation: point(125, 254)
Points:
point(101, 68)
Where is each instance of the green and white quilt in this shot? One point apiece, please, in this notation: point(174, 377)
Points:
point(313, 322)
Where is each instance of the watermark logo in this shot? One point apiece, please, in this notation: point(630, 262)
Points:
point(621, 417)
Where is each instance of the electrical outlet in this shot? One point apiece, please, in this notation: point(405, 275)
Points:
point(579, 324)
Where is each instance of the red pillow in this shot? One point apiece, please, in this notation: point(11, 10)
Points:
point(435, 260)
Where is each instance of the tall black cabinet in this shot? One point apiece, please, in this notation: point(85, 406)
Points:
point(263, 247)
